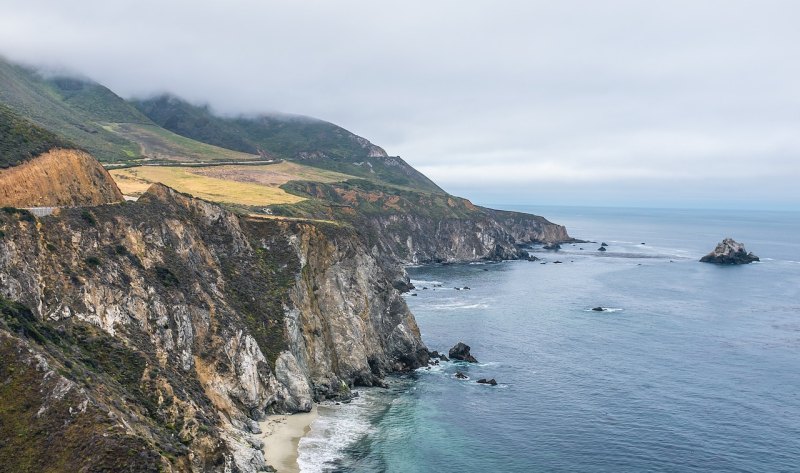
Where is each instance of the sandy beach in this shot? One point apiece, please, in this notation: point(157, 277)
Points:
point(282, 434)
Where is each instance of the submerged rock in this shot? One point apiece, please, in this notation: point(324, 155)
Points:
point(729, 251)
point(491, 382)
point(604, 244)
point(552, 246)
point(602, 248)
point(461, 352)
point(461, 375)
point(598, 309)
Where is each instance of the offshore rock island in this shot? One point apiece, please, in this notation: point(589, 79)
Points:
point(729, 251)
point(154, 335)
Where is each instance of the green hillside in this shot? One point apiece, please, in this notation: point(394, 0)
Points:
point(301, 139)
point(21, 139)
point(73, 108)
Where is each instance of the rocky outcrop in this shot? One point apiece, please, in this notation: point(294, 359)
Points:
point(58, 178)
point(222, 319)
point(461, 352)
point(729, 251)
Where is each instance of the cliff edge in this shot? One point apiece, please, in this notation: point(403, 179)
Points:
point(176, 324)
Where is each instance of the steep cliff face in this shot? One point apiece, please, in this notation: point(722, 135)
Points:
point(220, 320)
point(488, 235)
point(347, 322)
point(402, 226)
point(58, 178)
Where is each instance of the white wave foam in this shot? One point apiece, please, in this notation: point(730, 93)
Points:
point(331, 432)
point(421, 282)
point(456, 305)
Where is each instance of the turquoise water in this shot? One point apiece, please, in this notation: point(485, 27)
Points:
point(698, 369)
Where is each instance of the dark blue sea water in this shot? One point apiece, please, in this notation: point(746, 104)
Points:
point(697, 369)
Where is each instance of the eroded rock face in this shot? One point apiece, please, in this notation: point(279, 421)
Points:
point(227, 319)
point(349, 324)
point(404, 227)
point(729, 251)
point(491, 235)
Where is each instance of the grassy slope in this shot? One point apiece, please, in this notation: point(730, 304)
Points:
point(72, 108)
point(163, 145)
point(307, 140)
point(21, 139)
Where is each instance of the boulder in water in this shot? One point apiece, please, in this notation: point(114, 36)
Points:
point(487, 381)
point(461, 375)
point(461, 352)
point(602, 248)
point(598, 309)
point(729, 251)
point(552, 246)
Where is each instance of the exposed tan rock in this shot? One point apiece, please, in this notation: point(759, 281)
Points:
point(58, 178)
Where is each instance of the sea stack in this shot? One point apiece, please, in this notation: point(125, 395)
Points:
point(461, 352)
point(729, 251)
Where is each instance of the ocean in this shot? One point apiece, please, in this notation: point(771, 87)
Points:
point(696, 368)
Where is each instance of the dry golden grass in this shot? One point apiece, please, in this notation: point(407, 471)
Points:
point(241, 185)
point(271, 175)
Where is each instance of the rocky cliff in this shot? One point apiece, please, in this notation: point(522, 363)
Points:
point(402, 226)
point(154, 333)
point(58, 178)
point(487, 235)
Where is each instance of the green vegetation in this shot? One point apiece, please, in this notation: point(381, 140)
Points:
point(166, 276)
point(158, 144)
point(23, 214)
point(310, 141)
point(74, 109)
point(357, 198)
point(21, 139)
point(88, 217)
point(33, 420)
point(92, 261)
point(259, 290)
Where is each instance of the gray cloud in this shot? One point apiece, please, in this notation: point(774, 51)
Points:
point(613, 102)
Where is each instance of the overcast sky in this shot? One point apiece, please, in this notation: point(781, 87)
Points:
point(664, 103)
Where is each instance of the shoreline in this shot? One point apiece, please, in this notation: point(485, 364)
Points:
point(281, 436)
